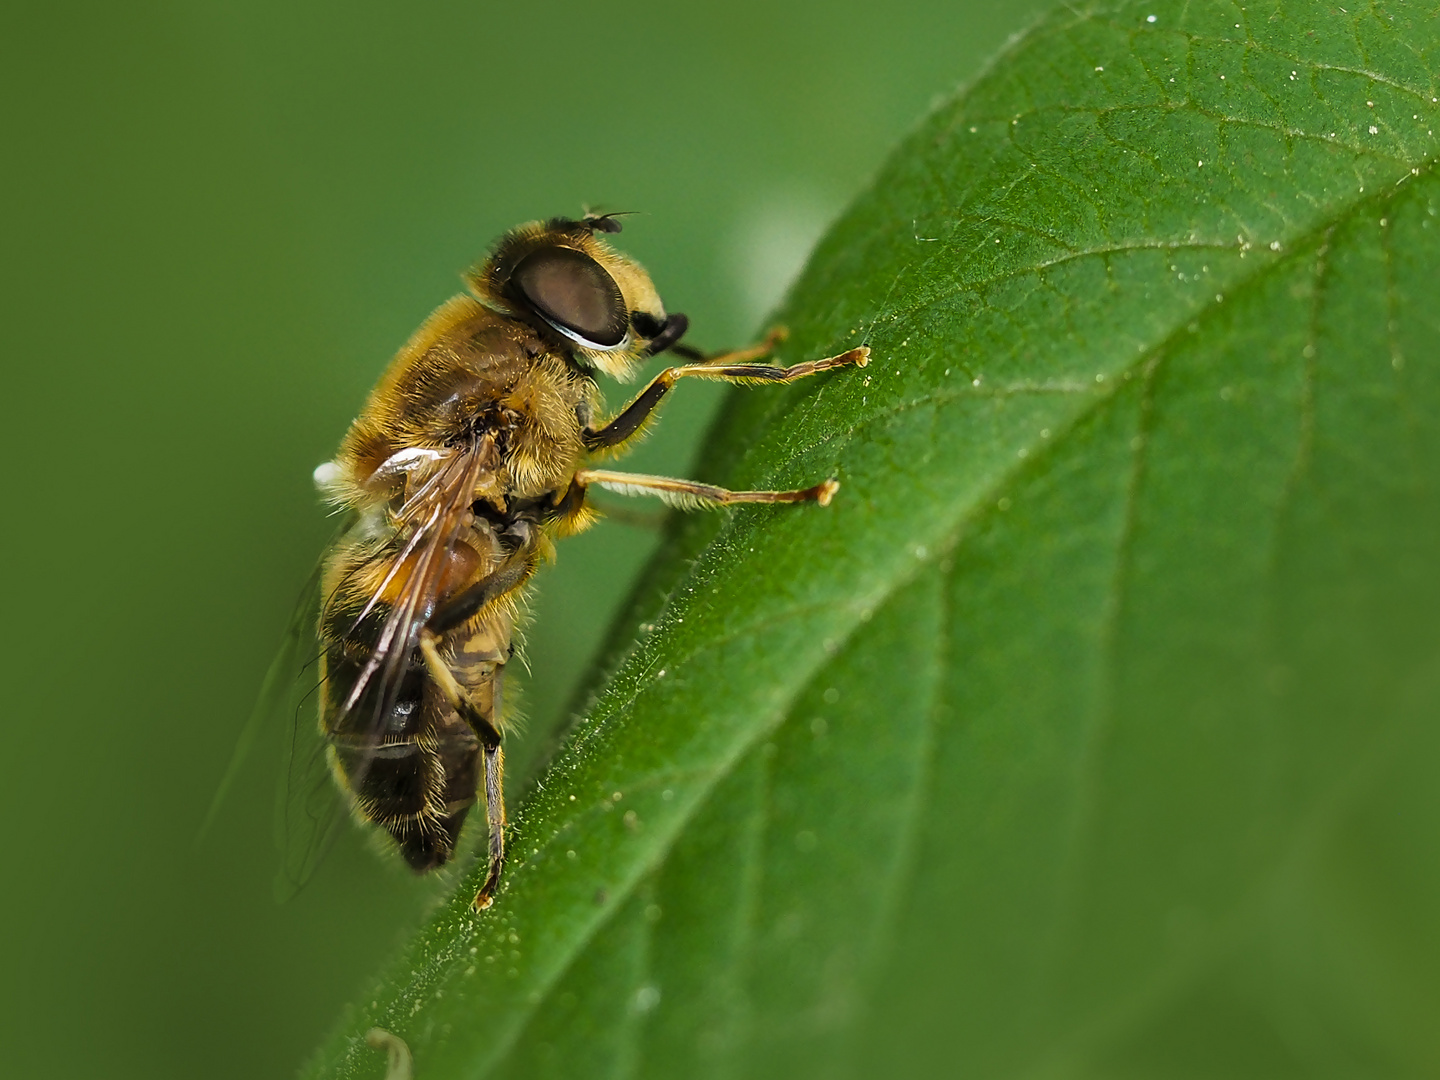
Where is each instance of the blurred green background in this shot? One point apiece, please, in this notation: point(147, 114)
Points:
point(221, 220)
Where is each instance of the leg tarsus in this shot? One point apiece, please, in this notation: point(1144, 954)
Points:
point(495, 821)
point(859, 357)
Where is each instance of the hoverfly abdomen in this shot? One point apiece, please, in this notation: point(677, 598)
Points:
point(407, 766)
point(432, 789)
point(396, 743)
point(418, 786)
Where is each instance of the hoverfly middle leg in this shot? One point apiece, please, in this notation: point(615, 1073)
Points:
point(687, 494)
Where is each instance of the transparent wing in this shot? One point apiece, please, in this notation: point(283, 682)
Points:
point(280, 694)
point(307, 805)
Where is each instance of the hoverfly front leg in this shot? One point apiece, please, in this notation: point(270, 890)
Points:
point(727, 368)
point(465, 605)
point(759, 351)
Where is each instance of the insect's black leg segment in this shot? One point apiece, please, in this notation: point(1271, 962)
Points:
point(633, 418)
point(568, 514)
point(459, 609)
point(465, 604)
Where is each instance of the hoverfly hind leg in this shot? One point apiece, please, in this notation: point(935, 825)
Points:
point(495, 822)
point(491, 754)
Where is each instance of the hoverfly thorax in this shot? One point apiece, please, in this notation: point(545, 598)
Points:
point(563, 278)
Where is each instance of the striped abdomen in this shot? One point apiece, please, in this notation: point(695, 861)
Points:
point(409, 762)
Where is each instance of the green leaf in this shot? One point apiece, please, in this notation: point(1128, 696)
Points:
point(1093, 729)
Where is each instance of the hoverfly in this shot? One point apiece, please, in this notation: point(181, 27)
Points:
point(473, 452)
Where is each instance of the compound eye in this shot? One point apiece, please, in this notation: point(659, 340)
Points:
point(573, 292)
